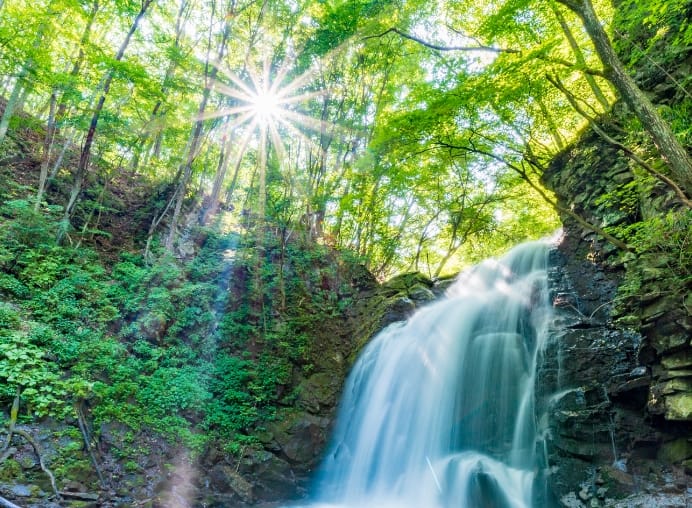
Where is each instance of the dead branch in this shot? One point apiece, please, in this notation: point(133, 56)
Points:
point(441, 48)
point(7, 504)
point(81, 420)
point(39, 454)
point(37, 449)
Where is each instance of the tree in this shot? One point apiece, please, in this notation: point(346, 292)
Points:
point(85, 155)
point(664, 138)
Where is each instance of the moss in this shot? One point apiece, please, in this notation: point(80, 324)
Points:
point(676, 450)
point(11, 470)
point(679, 407)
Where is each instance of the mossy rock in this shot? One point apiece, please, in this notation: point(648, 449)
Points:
point(401, 284)
point(679, 407)
point(676, 450)
point(680, 360)
point(11, 470)
point(318, 391)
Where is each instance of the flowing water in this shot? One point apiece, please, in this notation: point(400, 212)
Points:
point(438, 411)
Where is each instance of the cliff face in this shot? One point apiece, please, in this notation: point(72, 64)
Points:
point(616, 382)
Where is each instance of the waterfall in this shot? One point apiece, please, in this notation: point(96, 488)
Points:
point(438, 410)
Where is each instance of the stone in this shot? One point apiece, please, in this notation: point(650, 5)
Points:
point(570, 500)
point(21, 490)
point(299, 435)
point(664, 342)
point(677, 384)
point(687, 464)
point(318, 391)
point(421, 294)
point(226, 479)
point(679, 407)
point(584, 494)
point(679, 360)
point(615, 476)
point(676, 450)
point(638, 371)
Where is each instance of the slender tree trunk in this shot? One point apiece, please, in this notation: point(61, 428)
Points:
point(150, 139)
point(664, 138)
point(47, 149)
point(554, 132)
point(210, 76)
point(579, 56)
point(77, 65)
point(85, 155)
point(21, 88)
point(11, 105)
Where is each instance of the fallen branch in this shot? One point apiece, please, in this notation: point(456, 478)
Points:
point(83, 496)
point(81, 420)
point(7, 504)
point(41, 463)
point(39, 454)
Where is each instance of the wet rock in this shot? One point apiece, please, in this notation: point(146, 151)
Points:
point(225, 479)
point(682, 360)
point(318, 392)
point(273, 478)
point(421, 294)
point(112, 435)
point(485, 492)
point(399, 310)
point(300, 436)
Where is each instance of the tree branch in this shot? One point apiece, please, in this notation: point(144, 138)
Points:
point(39, 454)
point(442, 48)
point(555, 81)
point(524, 176)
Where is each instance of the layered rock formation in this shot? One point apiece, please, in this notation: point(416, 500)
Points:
point(616, 381)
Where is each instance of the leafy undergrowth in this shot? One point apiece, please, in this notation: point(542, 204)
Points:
point(195, 352)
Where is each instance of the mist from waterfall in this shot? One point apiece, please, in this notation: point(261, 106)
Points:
point(438, 410)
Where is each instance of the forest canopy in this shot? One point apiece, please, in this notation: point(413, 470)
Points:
point(413, 133)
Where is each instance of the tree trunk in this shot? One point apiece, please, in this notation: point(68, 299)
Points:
point(664, 138)
point(210, 76)
point(47, 148)
point(89, 140)
point(77, 65)
point(11, 105)
point(579, 56)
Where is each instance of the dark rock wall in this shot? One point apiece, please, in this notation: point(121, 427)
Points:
point(615, 385)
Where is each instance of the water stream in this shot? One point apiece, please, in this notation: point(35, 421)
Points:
point(438, 411)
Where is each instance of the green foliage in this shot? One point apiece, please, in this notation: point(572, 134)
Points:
point(663, 247)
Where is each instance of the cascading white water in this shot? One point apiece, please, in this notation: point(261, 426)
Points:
point(438, 410)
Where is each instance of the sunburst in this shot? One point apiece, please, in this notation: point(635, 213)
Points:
point(267, 108)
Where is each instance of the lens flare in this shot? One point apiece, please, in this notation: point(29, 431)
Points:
point(266, 105)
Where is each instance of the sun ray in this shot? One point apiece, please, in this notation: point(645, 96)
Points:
point(240, 84)
point(297, 132)
point(207, 115)
point(269, 105)
point(232, 92)
point(280, 75)
point(278, 144)
point(296, 99)
point(310, 122)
